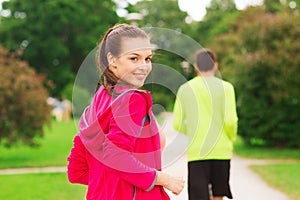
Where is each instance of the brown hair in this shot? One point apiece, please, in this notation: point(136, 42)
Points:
point(111, 42)
point(205, 59)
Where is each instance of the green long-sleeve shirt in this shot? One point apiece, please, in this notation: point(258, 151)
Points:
point(205, 110)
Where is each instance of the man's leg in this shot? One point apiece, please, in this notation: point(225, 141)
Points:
point(217, 198)
point(198, 173)
point(220, 179)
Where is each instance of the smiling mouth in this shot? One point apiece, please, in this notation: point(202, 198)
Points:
point(140, 76)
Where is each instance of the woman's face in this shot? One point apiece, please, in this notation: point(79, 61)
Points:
point(134, 63)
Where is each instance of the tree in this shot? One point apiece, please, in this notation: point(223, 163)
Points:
point(273, 6)
point(164, 14)
point(56, 35)
point(23, 101)
point(221, 16)
point(277, 6)
point(260, 56)
point(166, 22)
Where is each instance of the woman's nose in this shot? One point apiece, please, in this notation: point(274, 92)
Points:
point(144, 64)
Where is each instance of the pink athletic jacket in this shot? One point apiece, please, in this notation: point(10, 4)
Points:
point(117, 150)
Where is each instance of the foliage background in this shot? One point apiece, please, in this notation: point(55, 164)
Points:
point(257, 49)
point(56, 35)
point(261, 60)
point(23, 109)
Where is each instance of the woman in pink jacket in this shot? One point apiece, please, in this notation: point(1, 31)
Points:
point(117, 151)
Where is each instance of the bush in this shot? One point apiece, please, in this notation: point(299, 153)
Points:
point(23, 101)
point(266, 73)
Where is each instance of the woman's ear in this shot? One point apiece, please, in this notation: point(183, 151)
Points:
point(110, 58)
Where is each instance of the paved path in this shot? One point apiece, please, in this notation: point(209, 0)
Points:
point(34, 170)
point(245, 184)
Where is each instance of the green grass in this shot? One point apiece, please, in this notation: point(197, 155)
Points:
point(39, 187)
point(283, 175)
point(264, 153)
point(53, 150)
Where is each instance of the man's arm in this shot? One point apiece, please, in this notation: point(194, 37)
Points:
point(231, 119)
point(178, 113)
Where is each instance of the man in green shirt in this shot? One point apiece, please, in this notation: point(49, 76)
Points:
point(205, 111)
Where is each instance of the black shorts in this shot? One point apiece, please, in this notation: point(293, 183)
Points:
point(206, 174)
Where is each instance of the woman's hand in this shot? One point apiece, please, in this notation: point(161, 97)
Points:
point(174, 184)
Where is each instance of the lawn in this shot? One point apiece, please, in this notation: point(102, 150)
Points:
point(283, 175)
point(39, 187)
point(53, 150)
point(265, 153)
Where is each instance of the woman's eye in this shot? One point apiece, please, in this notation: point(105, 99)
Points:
point(148, 59)
point(134, 59)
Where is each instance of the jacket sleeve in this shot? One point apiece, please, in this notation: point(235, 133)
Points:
point(78, 171)
point(118, 147)
point(231, 119)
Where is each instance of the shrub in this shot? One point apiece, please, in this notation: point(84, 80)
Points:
point(263, 63)
point(23, 101)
